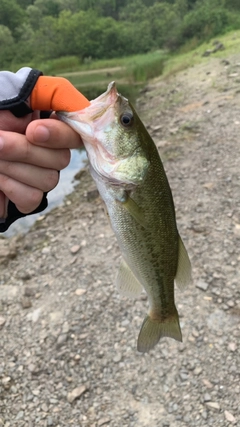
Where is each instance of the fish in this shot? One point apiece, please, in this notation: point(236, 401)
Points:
point(130, 177)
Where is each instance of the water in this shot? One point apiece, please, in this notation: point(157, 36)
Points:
point(56, 196)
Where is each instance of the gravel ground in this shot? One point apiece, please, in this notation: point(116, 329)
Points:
point(68, 341)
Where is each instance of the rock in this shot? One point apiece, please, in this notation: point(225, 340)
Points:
point(19, 415)
point(92, 195)
point(232, 346)
point(6, 382)
point(76, 393)
point(225, 62)
point(103, 421)
point(207, 383)
point(74, 249)
point(26, 302)
point(29, 291)
point(204, 415)
point(207, 52)
point(24, 275)
point(207, 397)
point(34, 315)
point(8, 251)
point(61, 339)
point(117, 358)
point(2, 321)
point(50, 421)
point(202, 285)
point(213, 405)
point(198, 370)
point(80, 292)
point(46, 250)
point(229, 417)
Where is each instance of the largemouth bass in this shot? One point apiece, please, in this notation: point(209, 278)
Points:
point(129, 174)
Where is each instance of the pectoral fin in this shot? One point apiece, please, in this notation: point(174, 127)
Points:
point(184, 271)
point(126, 282)
point(134, 210)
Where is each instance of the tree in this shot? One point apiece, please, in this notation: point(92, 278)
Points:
point(6, 46)
point(11, 15)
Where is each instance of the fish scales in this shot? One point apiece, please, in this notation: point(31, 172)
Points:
point(128, 171)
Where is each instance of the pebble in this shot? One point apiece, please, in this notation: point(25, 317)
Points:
point(80, 292)
point(207, 397)
point(19, 415)
point(2, 321)
point(103, 421)
point(50, 421)
point(232, 346)
point(26, 302)
point(117, 358)
point(204, 415)
point(183, 376)
point(76, 393)
point(62, 338)
point(213, 405)
point(198, 370)
point(229, 417)
point(202, 285)
point(46, 250)
point(207, 383)
point(74, 249)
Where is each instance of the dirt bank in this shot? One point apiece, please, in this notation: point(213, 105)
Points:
point(68, 340)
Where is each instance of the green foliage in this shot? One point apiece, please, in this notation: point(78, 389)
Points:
point(142, 72)
point(6, 46)
point(206, 20)
point(11, 14)
point(40, 30)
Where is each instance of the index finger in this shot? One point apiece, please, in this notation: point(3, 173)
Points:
point(52, 133)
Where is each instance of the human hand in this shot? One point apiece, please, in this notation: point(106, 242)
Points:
point(31, 154)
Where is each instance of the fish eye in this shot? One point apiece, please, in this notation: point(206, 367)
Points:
point(126, 119)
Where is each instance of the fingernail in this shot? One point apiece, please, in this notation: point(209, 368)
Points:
point(41, 134)
point(1, 143)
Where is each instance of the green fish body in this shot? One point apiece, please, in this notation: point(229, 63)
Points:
point(130, 177)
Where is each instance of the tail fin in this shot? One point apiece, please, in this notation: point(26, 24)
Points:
point(152, 330)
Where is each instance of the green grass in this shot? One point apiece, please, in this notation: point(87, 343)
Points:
point(186, 58)
point(129, 73)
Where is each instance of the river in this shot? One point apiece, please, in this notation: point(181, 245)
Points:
point(56, 196)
